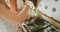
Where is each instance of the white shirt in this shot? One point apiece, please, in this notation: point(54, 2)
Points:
point(6, 26)
point(31, 11)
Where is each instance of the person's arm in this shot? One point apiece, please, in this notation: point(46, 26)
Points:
point(13, 17)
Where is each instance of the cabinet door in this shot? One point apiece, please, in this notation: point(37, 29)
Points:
point(45, 7)
point(50, 8)
point(56, 10)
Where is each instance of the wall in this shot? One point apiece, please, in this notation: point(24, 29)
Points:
point(48, 7)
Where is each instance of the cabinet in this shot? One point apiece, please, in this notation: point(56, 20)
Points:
point(50, 8)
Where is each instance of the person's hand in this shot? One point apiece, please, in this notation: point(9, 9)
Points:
point(23, 14)
point(13, 17)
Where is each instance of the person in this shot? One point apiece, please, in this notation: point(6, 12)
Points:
point(6, 13)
